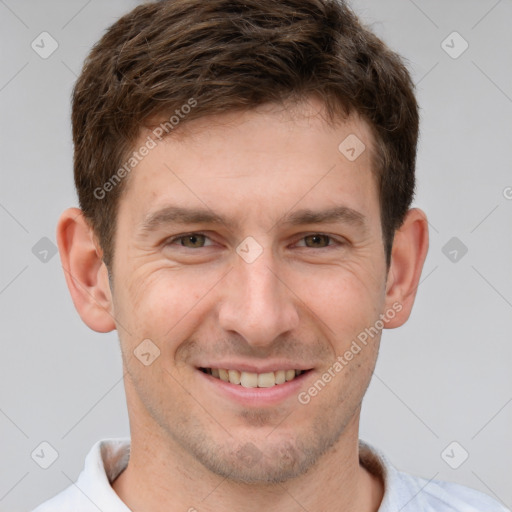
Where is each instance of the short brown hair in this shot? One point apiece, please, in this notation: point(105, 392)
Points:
point(229, 55)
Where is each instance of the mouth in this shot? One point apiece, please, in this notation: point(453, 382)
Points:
point(252, 379)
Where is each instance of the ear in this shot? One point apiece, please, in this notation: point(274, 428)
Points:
point(86, 274)
point(410, 247)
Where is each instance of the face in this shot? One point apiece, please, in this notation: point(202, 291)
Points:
point(254, 281)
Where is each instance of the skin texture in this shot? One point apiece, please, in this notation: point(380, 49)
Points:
point(301, 302)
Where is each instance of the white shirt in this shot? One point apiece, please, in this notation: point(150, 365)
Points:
point(402, 492)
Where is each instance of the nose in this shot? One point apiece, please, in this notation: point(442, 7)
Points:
point(256, 301)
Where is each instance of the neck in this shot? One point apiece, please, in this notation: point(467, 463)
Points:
point(162, 476)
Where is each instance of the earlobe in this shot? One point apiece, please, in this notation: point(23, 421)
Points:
point(86, 274)
point(410, 248)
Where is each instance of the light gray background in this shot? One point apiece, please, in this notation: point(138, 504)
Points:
point(445, 376)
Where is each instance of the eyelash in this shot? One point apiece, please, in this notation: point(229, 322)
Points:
point(337, 242)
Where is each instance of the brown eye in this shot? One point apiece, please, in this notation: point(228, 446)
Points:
point(191, 241)
point(318, 241)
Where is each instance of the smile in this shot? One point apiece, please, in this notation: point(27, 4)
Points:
point(253, 380)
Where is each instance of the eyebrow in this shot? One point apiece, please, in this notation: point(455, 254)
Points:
point(181, 215)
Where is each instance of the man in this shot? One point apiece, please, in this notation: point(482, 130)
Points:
point(245, 171)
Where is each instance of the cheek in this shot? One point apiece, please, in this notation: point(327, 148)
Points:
point(163, 303)
point(159, 303)
point(347, 299)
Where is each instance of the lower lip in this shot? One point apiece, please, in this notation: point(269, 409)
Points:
point(257, 397)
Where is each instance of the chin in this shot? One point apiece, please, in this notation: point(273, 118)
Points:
point(263, 462)
point(249, 465)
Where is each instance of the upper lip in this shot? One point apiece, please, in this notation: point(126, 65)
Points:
point(256, 368)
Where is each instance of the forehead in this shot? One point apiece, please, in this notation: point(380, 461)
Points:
point(270, 158)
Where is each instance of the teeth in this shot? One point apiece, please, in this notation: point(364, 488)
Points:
point(234, 376)
point(267, 380)
point(289, 375)
point(253, 380)
point(280, 377)
point(248, 380)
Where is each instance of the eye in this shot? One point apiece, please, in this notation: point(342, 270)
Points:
point(319, 241)
point(197, 241)
point(190, 240)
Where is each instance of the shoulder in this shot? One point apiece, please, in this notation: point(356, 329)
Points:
point(92, 490)
point(417, 493)
point(69, 499)
point(410, 493)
